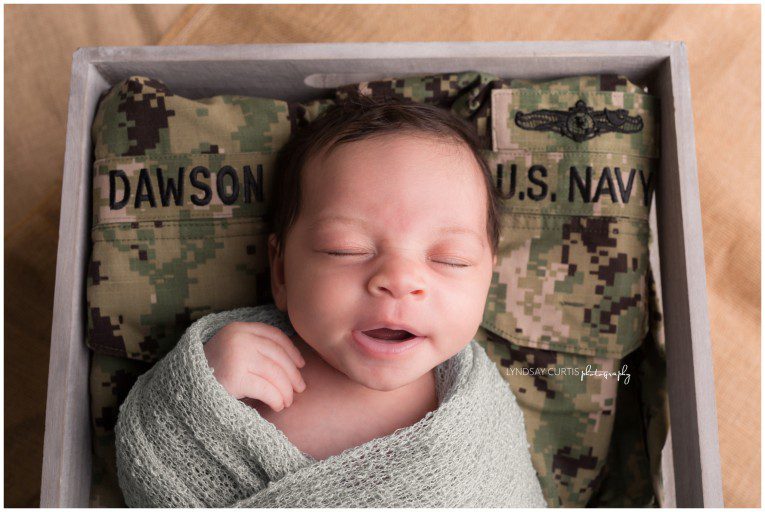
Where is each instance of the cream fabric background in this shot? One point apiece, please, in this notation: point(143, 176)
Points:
point(723, 45)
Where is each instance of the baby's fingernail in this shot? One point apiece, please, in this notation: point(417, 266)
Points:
point(301, 386)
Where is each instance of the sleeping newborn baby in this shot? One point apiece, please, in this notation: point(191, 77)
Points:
point(361, 385)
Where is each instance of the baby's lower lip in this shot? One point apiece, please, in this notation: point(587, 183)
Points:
point(384, 349)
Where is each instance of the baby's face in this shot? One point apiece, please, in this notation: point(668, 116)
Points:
point(391, 233)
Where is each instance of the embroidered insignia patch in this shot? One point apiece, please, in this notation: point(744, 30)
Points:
point(580, 122)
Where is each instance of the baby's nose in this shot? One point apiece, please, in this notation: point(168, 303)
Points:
point(398, 279)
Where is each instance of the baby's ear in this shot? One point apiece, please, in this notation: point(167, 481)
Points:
point(494, 261)
point(276, 262)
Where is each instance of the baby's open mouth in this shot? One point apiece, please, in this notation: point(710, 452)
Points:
point(389, 334)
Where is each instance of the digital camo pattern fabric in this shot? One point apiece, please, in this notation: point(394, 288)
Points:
point(572, 320)
point(178, 231)
point(183, 219)
point(179, 207)
point(596, 441)
point(110, 381)
point(631, 476)
point(574, 254)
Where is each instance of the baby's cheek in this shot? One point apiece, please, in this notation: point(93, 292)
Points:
point(464, 310)
point(322, 304)
point(326, 291)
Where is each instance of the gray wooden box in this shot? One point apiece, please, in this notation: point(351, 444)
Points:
point(691, 460)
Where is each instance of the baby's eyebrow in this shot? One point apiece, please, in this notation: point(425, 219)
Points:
point(338, 218)
point(462, 230)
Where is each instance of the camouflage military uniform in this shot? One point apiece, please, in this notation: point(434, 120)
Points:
point(178, 231)
point(571, 289)
point(575, 160)
point(110, 381)
point(179, 206)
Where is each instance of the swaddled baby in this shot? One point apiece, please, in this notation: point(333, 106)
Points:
point(362, 386)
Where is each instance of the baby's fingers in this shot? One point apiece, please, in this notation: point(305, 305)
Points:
point(277, 354)
point(256, 387)
point(277, 336)
point(268, 369)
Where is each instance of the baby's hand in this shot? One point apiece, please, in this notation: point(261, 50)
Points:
point(256, 360)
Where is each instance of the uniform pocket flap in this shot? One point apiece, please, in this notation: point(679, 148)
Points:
point(570, 275)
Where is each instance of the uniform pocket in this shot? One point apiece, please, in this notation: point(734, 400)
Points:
point(179, 205)
point(576, 171)
point(174, 238)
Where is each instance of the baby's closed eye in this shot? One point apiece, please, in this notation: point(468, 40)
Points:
point(447, 260)
point(451, 262)
point(346, 253)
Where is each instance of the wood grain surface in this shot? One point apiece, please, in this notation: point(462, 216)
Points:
point(723, 44)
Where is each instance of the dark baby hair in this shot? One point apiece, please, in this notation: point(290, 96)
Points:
point(362, 118)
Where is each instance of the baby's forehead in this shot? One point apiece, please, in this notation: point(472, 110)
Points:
point(406, 160)
point(406, 196)
point(396, 148)
point(395, 138)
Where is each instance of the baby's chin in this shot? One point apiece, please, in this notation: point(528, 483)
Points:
point(386, 384)
point(386, 377)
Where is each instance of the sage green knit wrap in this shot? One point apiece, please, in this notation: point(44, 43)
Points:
point(183, 441)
